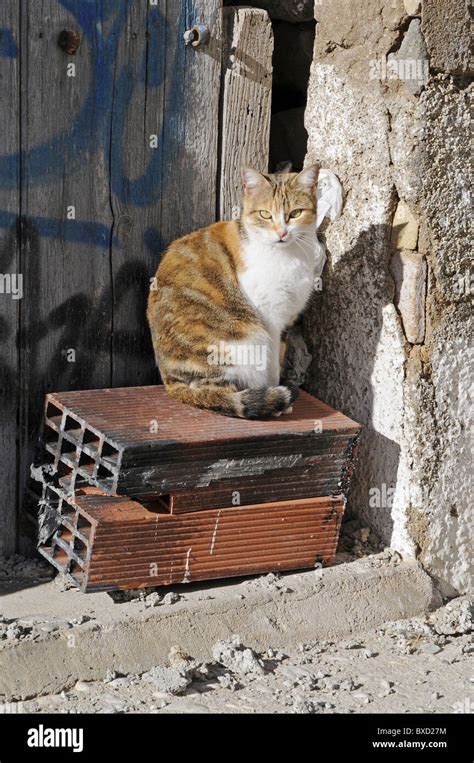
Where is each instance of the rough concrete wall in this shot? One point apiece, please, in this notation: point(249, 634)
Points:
point(388, 112)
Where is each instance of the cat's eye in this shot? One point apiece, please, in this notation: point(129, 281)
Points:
point(296, 213)
point(265, 214)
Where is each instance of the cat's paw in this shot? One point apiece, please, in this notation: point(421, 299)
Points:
point(289, 409)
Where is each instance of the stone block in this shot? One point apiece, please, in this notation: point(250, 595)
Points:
point(446, 28)
point(409, 273)
point(412, 7)
point(404, 228)
point(410, 63)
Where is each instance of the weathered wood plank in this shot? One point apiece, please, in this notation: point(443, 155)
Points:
point(163, 159)
point(99, 201)
point(190, 139)
point(246, 101)
point(10, 275)
point(137, 117)
point(66, 313)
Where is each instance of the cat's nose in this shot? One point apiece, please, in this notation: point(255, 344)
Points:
point(282, 234)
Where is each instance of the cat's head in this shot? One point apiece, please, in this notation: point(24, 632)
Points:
point(281, 208)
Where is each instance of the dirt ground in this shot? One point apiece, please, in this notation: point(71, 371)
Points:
point(422, 665)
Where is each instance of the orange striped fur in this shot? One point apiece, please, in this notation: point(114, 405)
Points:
point(196, 300)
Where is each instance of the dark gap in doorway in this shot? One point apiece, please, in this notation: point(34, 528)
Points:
point(292, 57)
point(294, 31)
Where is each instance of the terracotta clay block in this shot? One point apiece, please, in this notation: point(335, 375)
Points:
point(142, 443)
point(135, 489)
point(112, 543)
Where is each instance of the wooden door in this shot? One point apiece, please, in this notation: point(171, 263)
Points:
point(109, 149)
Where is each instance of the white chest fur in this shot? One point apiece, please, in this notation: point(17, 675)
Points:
point(278, 280)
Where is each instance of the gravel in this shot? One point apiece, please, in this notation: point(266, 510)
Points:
point(408, 671)
point(237, 658)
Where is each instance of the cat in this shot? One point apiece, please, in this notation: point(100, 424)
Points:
point(223, 296)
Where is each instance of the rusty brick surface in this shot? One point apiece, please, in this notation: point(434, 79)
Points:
point(135, 489)
point(142, 443)
point(112, 543)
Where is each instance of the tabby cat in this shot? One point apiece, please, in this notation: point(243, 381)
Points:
point(223, 295)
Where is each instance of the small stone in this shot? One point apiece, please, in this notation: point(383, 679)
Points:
point(81, 686)
point(271, 580)
point(436, 695)
point(239, 659)
point(178, 658)
point(404, 228)
point(347, 684)
point(228, 681)
point(455, 619)
point(430, 648)
point(153, 599)
point(171, 598)
point(386, 684)
point(64, 582)
point(80, 620)
point(303, 705)
point(118, 683)
point(353, 645)
point(412, 7)
point(368, 653)
point(409, 274)
point(331, 684)
point(14, 631)
point(170, 680)
point(321, 674)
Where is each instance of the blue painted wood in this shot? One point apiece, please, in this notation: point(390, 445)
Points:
point(98, 198)
point(9, 269)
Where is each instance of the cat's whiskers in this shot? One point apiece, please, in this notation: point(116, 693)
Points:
point(304, 249)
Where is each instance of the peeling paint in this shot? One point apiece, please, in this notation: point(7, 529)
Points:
point(225, 468)
point(214, 534)
point(187, 570)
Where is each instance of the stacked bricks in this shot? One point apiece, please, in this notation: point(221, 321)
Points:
point(136, 489)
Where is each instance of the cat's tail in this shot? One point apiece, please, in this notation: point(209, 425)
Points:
point(245, 404)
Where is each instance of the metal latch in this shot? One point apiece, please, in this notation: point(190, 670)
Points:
point(197, 35)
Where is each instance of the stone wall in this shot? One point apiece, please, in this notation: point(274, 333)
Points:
point(388, 113)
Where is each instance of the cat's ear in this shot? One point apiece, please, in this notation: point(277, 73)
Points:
point(252, 179)
point(308, 178)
